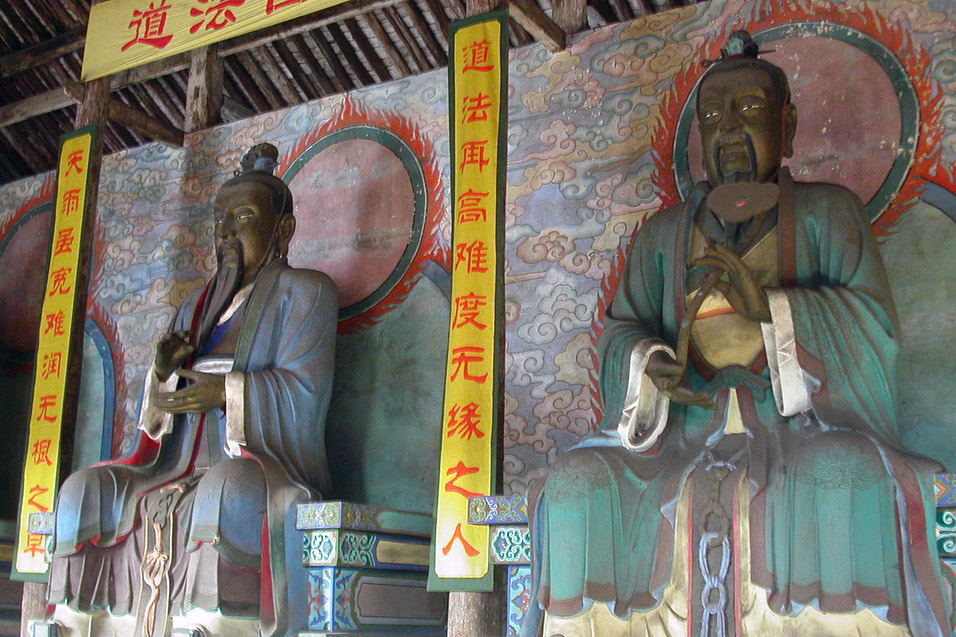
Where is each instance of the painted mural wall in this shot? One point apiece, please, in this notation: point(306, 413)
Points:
point(594, 135)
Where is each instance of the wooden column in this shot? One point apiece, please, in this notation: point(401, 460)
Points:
point(472, 614)
point(204, 89)
point(92, 110)
point(570, 15)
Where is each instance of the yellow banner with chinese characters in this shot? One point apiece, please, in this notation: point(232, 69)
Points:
point(125, 33)
point(41, 466)
point(478, 76)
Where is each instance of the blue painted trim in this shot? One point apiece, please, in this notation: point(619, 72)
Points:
point(92, 329)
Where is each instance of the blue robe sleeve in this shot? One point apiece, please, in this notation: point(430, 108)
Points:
point(288, 381)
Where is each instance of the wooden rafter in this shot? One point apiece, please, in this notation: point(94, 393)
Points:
point(530, 16)
point(42, 53)
point(368, 51)
point(394, 55)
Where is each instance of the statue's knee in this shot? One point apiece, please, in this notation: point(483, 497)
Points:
point(578, 473)
point(838, 460)
point(232, 489)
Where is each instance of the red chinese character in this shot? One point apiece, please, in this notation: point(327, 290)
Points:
point(35, 492)
point(54, 323)
point(475, 57)
point(221, 14)
point(470, 551)
point(473, 153)
point(71, 201)
point(469, 208)
point(34, 544)
point(462, 357)
point(59, 283)
point(150, 25)
point(51, 365)
point(475, 108)
point(64, 241)
point(464, 422)
point(474, 255)
point(467, 308)
point(73, 160)
point(272, 5)
point(460, 470)
point(46, 402)
point(41, 452)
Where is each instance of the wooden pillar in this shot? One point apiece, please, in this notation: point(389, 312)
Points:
point(204, 89)
point(91, 111)
point(473, 614)
point(570, 15)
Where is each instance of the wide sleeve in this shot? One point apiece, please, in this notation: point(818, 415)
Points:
point(285, 400)
point(633, 331)
point(832, 343)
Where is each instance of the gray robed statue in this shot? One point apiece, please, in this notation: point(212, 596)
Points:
point(195, 528)
point(749, 477)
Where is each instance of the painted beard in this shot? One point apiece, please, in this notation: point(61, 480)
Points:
point(224, 286)
point(737, 150)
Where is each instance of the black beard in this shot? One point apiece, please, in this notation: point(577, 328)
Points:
point(225, 284)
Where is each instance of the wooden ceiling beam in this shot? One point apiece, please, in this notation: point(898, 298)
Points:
point(204, 89)
point(368, 51)
point(22, 150)
point(134, 118)
point(345, 48)
point(259, 78)
point(137, 120)
point(434, 47)
point(530, 16)
point(274, 72)
point(402, 32)
point(570, 15)
point(233, 110)
point(623, 9)
point(301, 80)
point(441, 19)
point(394, 55)
point(316, 73)
point(42, 53)
point(33, 106)
point(339, 75)
point(247, 85)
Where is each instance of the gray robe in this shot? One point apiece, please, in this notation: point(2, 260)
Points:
point(277, 396)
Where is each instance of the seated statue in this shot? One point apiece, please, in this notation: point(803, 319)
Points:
point(195, 528)
point(748, 477)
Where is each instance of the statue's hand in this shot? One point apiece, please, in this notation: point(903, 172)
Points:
point(668, 376)
point(744, 294)
point(206, 392)
point(171, 350)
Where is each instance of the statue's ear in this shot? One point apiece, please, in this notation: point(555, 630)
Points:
point(285, 231)
point(789, 129)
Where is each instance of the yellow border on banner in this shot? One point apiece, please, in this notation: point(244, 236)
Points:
point(122, 34)
point(41, 466)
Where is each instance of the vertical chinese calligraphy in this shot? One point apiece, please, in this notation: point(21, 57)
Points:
point(56, 327)
point(467, 467)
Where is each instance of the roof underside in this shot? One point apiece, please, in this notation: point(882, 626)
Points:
point(359, 43)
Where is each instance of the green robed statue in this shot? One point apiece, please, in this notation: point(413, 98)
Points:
point(194, 530)
point(749, 477)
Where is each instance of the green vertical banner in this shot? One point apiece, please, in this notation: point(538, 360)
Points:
point(477, 114)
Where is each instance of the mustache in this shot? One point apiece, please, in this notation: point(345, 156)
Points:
point(736, 139)
point(226, 246)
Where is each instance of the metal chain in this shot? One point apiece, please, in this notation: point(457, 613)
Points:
point(715, 537)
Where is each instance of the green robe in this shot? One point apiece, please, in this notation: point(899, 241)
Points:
point(838, 512)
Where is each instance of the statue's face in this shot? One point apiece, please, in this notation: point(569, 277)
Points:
point(742, 125)
point(244, 214)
